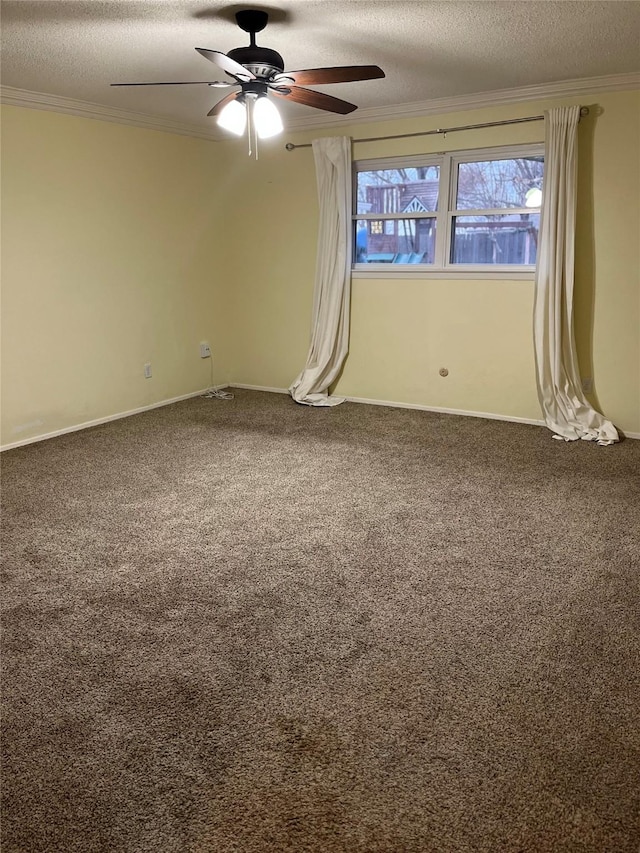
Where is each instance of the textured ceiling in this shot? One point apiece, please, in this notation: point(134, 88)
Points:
point(428, 50)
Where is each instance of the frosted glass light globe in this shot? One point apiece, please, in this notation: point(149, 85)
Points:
point(266, 118)
point(233, 117)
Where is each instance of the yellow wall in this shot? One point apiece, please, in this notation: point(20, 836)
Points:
point(404, 331)
point(112, 257)
point(608, 257)
point(123, 245)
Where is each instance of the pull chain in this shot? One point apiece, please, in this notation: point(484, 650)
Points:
point(249, 116)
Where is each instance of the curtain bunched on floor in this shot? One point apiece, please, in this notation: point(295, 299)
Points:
point(566, 410)
point(332, 294)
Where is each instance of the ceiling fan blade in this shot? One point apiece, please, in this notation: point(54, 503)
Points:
point(216, 83)
point(214, 111)
point(321, 76)
point(313, 99)
point(226, 63)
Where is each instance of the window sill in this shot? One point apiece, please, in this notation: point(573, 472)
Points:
point(389, 271)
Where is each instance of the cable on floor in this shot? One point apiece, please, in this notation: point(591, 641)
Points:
point(219, 394)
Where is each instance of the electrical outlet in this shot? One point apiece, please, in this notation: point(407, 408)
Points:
point(147, 370)
point(205, 350)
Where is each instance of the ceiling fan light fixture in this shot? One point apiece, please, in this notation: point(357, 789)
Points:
point(234, 117)
point(266, 118)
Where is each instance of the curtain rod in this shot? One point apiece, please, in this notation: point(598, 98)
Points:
point(584, 111)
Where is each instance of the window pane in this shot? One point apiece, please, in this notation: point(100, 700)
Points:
point(499, 183)
point(508, 239)
point(395, 241)
point(410, 190)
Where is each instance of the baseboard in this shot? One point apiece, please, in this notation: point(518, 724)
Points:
point(437, 409)
point(259, 388)
point(395, 405)
point(108, 418)
point(463, 413)
point(367, 401)
point(443, 411)
point(466, 414)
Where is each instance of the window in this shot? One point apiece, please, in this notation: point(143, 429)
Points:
point(462, 213)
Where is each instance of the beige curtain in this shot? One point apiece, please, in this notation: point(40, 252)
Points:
point(566, 410)
point(332, 294)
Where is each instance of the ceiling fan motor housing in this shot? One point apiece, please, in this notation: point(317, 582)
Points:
point(262, 61)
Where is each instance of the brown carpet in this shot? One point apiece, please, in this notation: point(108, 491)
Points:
point(252, 626)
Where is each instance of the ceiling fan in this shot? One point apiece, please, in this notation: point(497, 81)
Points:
point(259, 71)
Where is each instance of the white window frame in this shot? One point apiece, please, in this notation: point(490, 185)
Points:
point(444, 216)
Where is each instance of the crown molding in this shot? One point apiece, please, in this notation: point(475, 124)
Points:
point(479, 100)
point(86, 109)
point(435, 106)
